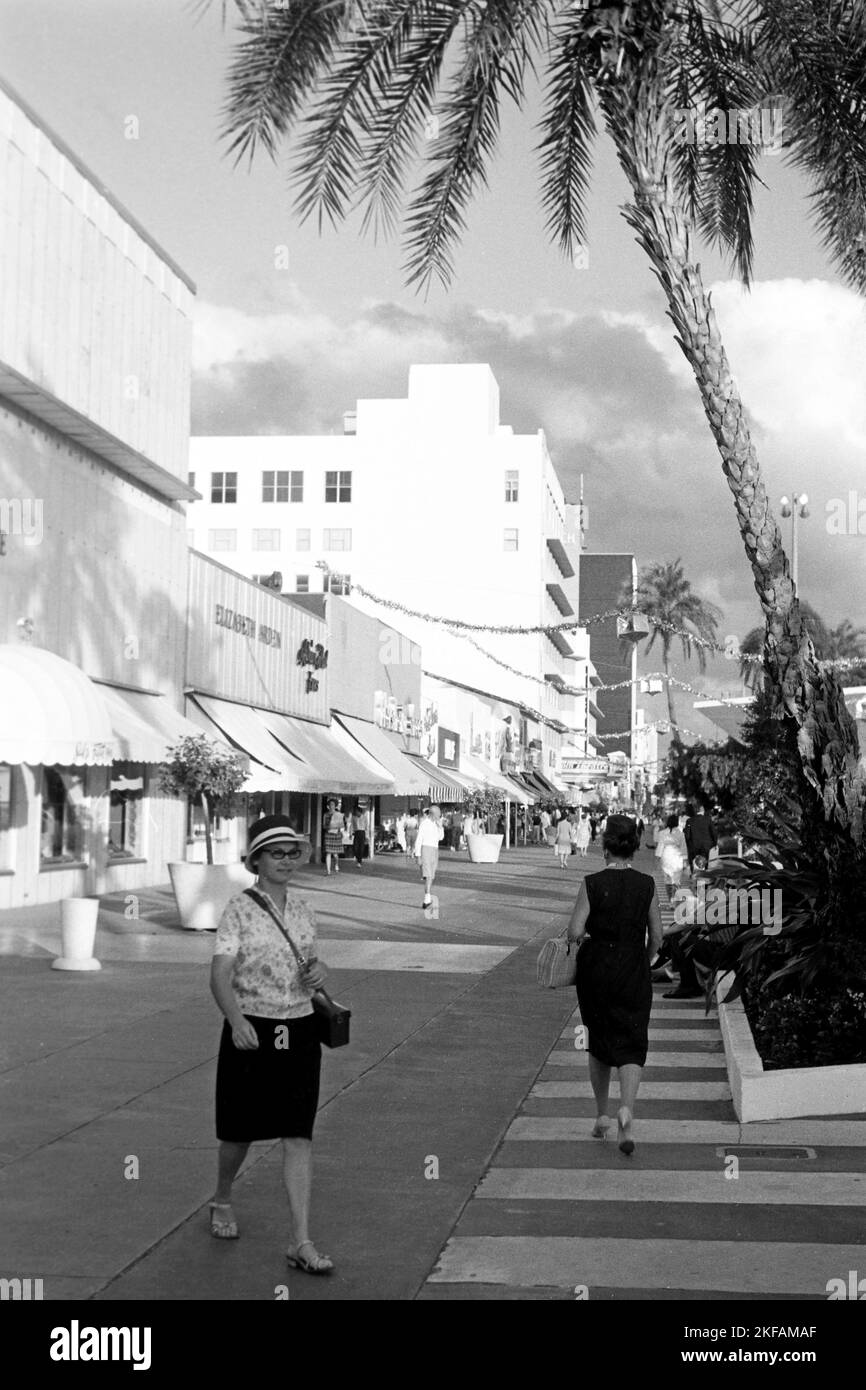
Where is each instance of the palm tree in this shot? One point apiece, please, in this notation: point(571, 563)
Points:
point(752, 672)
point(665, 595)
point(367, 82)
point(841, 643)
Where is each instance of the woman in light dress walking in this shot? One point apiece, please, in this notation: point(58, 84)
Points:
point(562, 842)
point(581, 834)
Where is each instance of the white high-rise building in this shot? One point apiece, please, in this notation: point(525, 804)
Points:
point(429, 502)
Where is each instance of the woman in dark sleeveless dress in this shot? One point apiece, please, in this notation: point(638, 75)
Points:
point(617, 913)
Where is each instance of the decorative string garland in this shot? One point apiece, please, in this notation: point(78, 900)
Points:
point(461, 627)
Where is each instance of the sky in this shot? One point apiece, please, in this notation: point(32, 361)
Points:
point(293, 326)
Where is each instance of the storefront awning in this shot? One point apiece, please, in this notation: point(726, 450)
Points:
point(329, 766)
point(488, 776)
point(529, 793)
point(244, 727)
point(143, 725)
point(408, 781)
point(50, 712)
point(441, 786)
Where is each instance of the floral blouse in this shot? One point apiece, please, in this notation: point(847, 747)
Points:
point(266, 980)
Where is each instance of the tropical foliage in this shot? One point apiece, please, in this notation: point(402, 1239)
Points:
point(377, 89)
point(667, 598)
point(844, 642)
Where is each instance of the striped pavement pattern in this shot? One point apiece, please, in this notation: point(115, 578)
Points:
point(560, 1215)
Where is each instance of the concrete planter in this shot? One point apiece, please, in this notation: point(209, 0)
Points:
point(77, 935)
point(202, 891)
point(484, 849)
point(788, 1093)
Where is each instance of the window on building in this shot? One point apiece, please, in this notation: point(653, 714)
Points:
point(302, 583)
point(302, 538)
point(338, 487)
point(511, 480)
point(64, 803)
point(190, 477)
point(509, 539)
point(222, 540)
point(336, 538)
point(337, 584)
point(224, 487)
point(282, 485)
point(126, 811)
point(266, 539)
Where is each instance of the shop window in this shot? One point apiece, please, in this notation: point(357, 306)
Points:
point(337, 584)
point(64, 812)
point(511, 480)
point(282, 485)
point(302, 538)
point(126, 812)
point(302, 584)
point(223, 487)
point(338, 487)
point(337, 538)
point(222, 540)
point(266, 538)
point(509, 539)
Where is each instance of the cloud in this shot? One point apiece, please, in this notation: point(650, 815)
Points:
point(618, 404)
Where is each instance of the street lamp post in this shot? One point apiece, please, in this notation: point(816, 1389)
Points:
point(795, 506)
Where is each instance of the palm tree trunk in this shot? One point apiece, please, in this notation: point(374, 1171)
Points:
point(637, 120)
point(675, 728)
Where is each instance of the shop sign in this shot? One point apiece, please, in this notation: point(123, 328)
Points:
point(449, 748)
point(94, 753)
point(586, 767)
point(246, 626)
point(388, 713)
point(315, 656)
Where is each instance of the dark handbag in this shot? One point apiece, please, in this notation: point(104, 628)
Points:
point(332, 1019)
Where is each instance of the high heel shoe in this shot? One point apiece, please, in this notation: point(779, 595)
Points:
point(601, 1127)
point(626, 1144)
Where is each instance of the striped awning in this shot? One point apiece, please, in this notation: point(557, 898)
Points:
point(441, 786)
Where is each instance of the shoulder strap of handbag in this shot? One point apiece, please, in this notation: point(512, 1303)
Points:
point(263, 903)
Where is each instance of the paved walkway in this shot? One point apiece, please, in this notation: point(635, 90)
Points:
point(452, 1146)
point(705, 1208)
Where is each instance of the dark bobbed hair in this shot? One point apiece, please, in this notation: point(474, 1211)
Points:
point(672, 822)
point(620, 840)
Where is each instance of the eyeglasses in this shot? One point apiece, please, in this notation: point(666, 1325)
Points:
point(278, 854)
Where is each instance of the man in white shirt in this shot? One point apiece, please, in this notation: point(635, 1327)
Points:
point(430, 832)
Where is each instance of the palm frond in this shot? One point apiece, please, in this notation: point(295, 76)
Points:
point(404, 115)
point(817, 49)
point(274, 68)
point(569, 128)
point(495, 55)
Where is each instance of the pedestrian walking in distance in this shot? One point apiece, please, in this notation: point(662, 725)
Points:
point(361, 824)
point(333, 836)
point(582, 834)
point(562, 843)
point(427, 842)
point(617, 918)
point(672, 854)
point(267, 1084)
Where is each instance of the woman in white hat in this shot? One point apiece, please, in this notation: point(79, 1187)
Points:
point(270, 1056)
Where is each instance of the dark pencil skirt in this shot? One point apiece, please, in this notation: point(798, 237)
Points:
point(271, 1092)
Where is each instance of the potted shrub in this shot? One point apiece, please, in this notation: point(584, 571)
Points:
point(484, 848)
point(211, 775)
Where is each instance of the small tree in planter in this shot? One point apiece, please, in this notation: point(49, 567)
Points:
point(486, 802)
point(208, 773)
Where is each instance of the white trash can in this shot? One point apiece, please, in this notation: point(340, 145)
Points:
point(77, 934)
